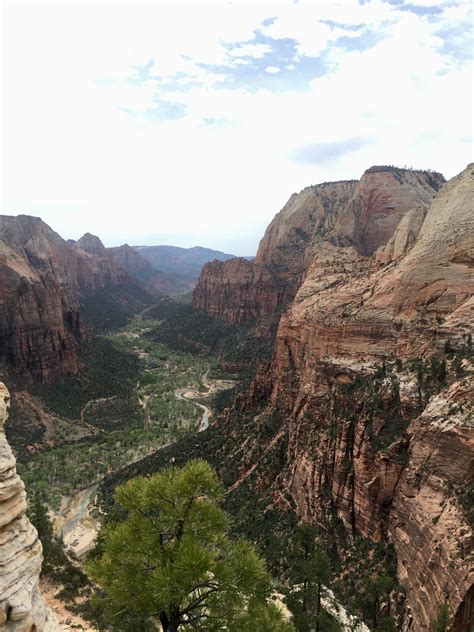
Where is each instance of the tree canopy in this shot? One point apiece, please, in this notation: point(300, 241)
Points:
point(171, 562)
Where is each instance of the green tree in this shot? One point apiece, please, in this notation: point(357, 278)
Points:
point(443, 620)
point(39, 517)
point(309, 574)
point(171, 562)
point(375, 590)
point(457, 365)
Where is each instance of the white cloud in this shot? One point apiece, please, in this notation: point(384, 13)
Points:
point(73, 155)
point(272, 69)
point(250, 50)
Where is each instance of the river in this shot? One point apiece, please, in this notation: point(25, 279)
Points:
point(74, 522)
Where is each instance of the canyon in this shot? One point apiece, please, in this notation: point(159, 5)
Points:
point(361, 214)
point(46, 281)
point(43, 280)
point(360, 419)
point(363, 284)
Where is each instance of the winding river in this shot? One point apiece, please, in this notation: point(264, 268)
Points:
point(74, 522)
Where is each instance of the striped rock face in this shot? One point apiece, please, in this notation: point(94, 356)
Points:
point(22, 608)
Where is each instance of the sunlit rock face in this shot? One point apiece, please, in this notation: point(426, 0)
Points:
point(22, 608)
point(360, 214)
point(352, 313)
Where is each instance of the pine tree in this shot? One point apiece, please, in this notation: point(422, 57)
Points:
point(39, 517)
point(171, 562)
point(309, 574)
point(442, 621)
point(375, 590)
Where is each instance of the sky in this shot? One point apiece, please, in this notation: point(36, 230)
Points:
point(192, 123)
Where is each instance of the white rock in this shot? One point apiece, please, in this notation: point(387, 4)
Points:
point(22, 607)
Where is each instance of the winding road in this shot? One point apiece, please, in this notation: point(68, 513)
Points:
point(213, 386)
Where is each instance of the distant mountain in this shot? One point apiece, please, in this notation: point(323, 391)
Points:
point(184, 262)
point(133, 262)
point(141, 269)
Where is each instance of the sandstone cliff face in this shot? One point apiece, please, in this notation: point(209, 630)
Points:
point(42, 278)
point(130, 260)
point(22, 608)
point(371, 429)
point(141, 269)
point(363, 214)
point(95, 268)
point(92, 244)
point(240, 291)
point(368, 314)
point(432, 539)
point(40, 320)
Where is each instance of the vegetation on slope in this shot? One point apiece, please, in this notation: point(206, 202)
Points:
point(187, 330)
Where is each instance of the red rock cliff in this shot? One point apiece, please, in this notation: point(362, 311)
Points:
point(378, 419)
point(41, 280)
point(363, 214)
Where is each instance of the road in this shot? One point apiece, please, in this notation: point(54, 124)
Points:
point(190, 395)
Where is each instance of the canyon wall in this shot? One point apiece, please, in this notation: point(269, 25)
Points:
point(142, 271)
point(22, 608)
point(42, 280)
point(362, 214)
point(372, 378)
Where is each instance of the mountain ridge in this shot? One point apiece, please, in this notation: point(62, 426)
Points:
point(371, 380)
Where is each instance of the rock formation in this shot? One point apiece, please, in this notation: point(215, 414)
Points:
point(95, 268)
point(141, 269)
point(92, 244)
point(375, 417)
point(42, 279)
point(130, 260)
point(362, 214)
point(40, 320)
point(22, 608)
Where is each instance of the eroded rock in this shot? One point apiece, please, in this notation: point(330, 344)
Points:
point(22, 608)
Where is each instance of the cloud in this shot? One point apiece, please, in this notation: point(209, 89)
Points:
point(149, 126)
point(320, 153)
point(249, 50)
point(272, 69)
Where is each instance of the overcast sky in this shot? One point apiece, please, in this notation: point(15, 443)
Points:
point(193, 123)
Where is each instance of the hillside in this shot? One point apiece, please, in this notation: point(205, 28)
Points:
point(184, 262)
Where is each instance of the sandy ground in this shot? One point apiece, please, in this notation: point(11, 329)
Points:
point(329, 601)
point(75, 524)
point(68, 622)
